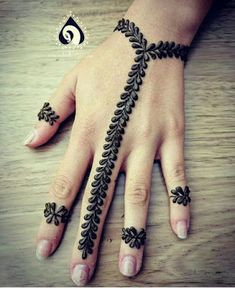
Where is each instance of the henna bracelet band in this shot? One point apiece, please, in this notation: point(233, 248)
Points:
point(144, 53)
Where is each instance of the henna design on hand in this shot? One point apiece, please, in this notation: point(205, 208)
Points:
point(134, 238)
point(61, 215)
point(47, 114)
point(181, 196)
point(144, 53)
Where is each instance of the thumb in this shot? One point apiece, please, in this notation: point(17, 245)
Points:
point(59, 106)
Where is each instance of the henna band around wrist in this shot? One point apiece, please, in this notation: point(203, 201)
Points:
point(144, 53)
point(47, 114)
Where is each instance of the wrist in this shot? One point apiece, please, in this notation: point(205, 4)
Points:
point(173, 20)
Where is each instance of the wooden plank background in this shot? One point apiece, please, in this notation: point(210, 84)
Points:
point(31, 66)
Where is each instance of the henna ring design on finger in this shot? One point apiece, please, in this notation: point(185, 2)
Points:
point(47, 114)
point(181, 196)
point(134, 238)
point(144, 53)
point(61, 215)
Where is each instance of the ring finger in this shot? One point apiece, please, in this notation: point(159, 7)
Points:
point(137, 193)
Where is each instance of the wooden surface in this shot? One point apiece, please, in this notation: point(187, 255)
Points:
point(31, 66)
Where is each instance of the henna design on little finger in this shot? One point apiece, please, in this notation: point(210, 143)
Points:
point(48, 114)
point(144, 53)
point(56, 216)
point(181, 196)
point(134, 238)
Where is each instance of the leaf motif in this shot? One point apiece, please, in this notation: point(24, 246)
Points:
point(139, 57)
point(151, 46)
point(136, 45)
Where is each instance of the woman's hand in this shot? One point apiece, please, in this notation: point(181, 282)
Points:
point(155, 130)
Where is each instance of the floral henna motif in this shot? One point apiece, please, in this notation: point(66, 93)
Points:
point(134, 238)
point(47, 114)
point(102, 178)
point(61, 215)
point(181, 196)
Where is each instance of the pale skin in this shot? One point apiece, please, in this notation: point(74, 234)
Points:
point(155, 129)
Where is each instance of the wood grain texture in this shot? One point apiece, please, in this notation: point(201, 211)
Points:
point(31, 67)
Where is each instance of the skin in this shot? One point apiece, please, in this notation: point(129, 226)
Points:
point(155, 129)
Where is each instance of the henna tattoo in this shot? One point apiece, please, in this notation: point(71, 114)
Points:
point(181, 196)
point(134, 238)
point(102, 178)
point(47, 114)
point(61, 215)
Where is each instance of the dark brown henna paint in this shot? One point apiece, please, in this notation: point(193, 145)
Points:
point(181, 196)
point(53, 216)
point(144, 53)
point(134, 238)
point(47, 114)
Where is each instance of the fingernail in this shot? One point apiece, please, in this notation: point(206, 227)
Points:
point(43, 249)
point(181, 229)
point(29, 138)
point(128, 266)
point(80, 274)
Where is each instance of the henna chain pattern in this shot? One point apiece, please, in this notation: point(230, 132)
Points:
point(119, 121)
point(47, 114)
point(181, 196)
point(134, 238)
point(61, 215)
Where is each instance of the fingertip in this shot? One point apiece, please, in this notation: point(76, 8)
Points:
point(44, 249)
point(180, 227)
point(40, 135)
point(128, 265)
point(81, 274)
point(30, 138)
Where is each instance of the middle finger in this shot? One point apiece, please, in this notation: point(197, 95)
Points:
point(95, 204)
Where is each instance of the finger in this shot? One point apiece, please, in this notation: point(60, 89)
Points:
point(172, 161)
point(95, 204)
point(63, 192)
point(62, 102)
point(137, 192)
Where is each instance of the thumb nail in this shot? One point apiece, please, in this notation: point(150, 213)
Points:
point(29, 138)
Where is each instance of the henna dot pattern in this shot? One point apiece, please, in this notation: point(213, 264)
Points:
point(134, 238)
point(181, 196)
point(47, 114)
point(55, 216)
point(144, 53)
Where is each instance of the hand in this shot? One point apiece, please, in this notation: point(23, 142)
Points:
point(155, 131)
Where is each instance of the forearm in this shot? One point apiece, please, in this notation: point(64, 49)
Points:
point(176, 20)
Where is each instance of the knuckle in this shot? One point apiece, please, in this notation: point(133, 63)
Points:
point(175, 126)
point(177, 173)
point(146, 129)
point(88, 126)
point(61, 187)
point(137, 194)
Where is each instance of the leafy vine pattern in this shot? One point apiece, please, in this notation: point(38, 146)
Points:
point(47, 114)
point(102, 178)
